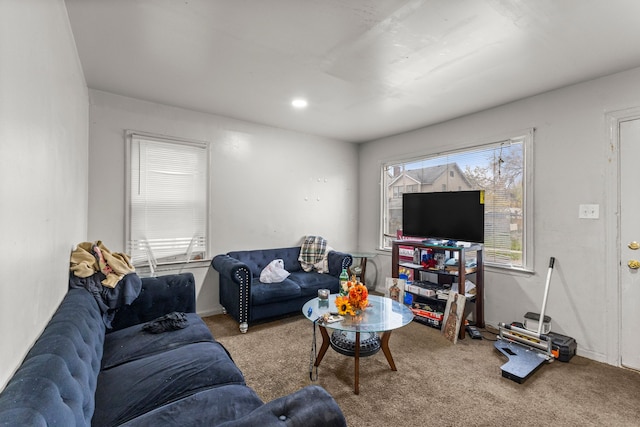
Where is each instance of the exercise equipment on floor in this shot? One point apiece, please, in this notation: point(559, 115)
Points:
point(527, 349)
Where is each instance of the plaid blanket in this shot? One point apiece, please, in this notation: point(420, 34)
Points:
point(313, 254)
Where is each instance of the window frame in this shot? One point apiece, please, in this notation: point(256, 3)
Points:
point(130, 135)
point(527, 138)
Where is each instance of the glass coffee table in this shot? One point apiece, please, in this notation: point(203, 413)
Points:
point(362, 335)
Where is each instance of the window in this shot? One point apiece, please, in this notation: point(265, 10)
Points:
point(167, 199)
point(500, 168)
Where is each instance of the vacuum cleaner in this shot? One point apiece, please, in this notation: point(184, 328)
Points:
point(527, 346)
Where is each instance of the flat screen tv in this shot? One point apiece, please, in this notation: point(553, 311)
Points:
point(452, 215)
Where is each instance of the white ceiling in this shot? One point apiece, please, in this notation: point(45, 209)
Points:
point(369, 68)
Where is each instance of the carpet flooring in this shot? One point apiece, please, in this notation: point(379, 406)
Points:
point(437, 383)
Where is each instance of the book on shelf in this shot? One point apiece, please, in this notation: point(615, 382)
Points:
point(407, 272)
point(405, 253)
point(428, 314)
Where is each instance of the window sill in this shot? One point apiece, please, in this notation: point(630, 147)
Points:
point(506, 269)
point(145, 270)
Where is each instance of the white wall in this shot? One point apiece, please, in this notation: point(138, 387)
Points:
point(571, 155)
point(269, 186)
point(43, 169)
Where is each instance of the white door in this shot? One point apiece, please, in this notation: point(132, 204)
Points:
point(629, 139)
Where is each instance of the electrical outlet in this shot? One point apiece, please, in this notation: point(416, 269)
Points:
point(589, 211)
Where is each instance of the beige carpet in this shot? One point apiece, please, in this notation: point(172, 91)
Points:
point(437, 383)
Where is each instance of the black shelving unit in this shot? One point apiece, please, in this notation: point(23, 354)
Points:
point(445, 276)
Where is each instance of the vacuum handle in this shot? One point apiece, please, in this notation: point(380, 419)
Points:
point(552, 261)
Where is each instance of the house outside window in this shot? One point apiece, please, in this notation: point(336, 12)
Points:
point(501, 168)
point(167, 199)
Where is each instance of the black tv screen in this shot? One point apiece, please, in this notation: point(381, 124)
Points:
point(452, 215)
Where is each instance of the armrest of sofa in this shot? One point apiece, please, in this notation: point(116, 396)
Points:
point(338, 261)
point(235, 287)
point(159, 296)
point(311, 406)
point(231, 268)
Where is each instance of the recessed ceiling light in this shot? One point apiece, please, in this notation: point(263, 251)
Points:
point(299, 103)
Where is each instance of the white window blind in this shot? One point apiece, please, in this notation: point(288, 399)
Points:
point(167, 199)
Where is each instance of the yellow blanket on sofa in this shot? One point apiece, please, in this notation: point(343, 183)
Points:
point(89, 258)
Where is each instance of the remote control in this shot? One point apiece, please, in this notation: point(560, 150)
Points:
point(474, 332)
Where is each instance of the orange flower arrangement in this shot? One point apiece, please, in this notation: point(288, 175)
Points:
point(353, 299)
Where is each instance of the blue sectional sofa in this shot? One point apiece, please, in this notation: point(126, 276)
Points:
point(79, 374)
point(247, 299)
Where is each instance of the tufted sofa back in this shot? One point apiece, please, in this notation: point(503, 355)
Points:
point(257, 260)
point(159, 296)
point(60, 372)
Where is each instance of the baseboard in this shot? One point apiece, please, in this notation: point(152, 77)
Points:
point(598, 357)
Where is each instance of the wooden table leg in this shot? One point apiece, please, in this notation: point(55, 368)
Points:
point(324, 346)
point(384, 344)
point(357, 363)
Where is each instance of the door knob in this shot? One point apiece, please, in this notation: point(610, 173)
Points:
point(634, 245)
point(634, 264)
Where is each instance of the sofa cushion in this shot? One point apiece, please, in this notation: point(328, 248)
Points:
point(124, 393)
point(265, 293)
point(231, 402)
point(133, 343)
point(310, 406)
point(309, 283)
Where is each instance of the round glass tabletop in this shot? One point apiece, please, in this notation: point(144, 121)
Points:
point(383, 314)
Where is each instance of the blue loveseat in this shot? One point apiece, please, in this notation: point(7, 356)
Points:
point(247, 299)
point(78, 374)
